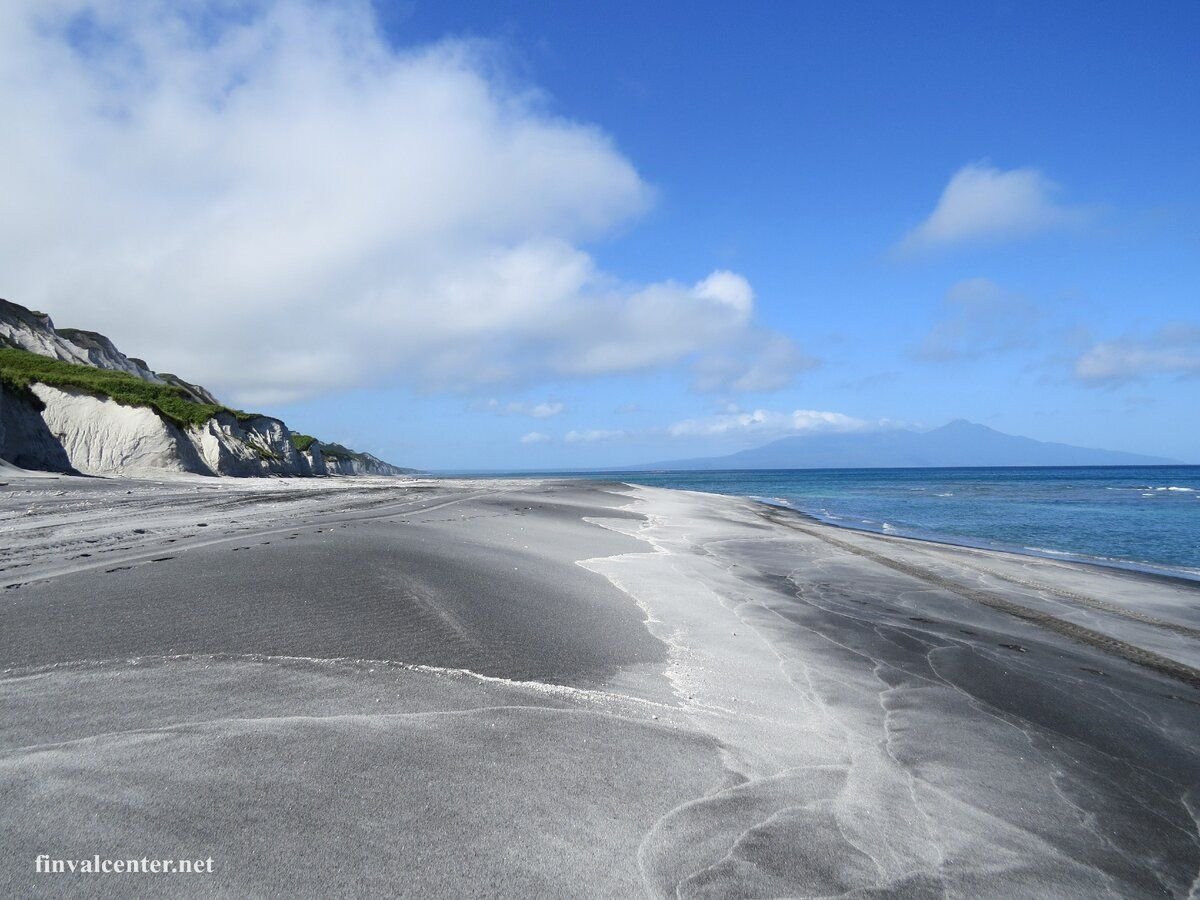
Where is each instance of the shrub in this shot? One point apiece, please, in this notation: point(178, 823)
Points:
point(302, 442)
point(337, 451)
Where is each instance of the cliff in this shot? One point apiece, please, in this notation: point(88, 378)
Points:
point(70, 401)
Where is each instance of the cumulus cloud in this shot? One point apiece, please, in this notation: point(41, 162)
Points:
point(766, 363)
point(763, 421)
point(593, 435)
point(535, 437)
point(979, 318)
point(656, 324)
point(278, 203)
point(981, 202)
point(1172, 350)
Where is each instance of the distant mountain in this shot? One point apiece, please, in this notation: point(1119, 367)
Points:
point(960, 443)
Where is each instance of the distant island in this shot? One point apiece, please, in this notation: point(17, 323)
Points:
point(957, 444)
point(71, 402)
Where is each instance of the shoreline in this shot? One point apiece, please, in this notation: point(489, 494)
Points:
point(1190, 573)
point(1172, 574)
point(591, 687)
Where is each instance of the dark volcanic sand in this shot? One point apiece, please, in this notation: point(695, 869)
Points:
point(570, 689)
point(479, 585)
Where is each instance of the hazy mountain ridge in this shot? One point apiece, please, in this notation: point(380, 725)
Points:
point(70, 401)
point(957, 444)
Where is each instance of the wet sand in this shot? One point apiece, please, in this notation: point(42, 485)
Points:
point(562, 689)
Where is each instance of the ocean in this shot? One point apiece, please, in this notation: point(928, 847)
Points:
point(1144, 518)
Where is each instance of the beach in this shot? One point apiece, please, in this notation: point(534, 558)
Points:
point(565, 688)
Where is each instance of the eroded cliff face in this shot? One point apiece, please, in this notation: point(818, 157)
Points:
point(258, 446)
point(98, 436)
point(26, 441)
point(66, 429)
point(101, 436)
point(363, 464)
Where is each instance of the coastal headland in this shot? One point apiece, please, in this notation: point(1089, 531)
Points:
point(535, 688)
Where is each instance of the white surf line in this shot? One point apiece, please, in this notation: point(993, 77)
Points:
point(1070, 564)
point(542, 687)
point(197, 724)
point(975, 558)
point(1074, 596)
point(1099, 640)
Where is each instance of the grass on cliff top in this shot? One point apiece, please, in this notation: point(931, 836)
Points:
point(302, 441)
point(337, 451)
point(19, 369)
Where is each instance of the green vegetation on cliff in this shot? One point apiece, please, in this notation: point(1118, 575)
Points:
point(337, 451)
point(302, 441)
point(20, 369)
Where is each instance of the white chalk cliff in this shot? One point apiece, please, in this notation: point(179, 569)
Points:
point(64, 428)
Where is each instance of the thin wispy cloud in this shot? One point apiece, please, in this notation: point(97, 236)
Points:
point(768, 363)
point(985, 203)
point(535, 437)
point(1173, 350)
point(594, 435)
point(979, 318)
point(281, 203)
point(544, 410)
point(770, 422)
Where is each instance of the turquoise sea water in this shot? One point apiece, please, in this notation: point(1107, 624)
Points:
point(1140, 517)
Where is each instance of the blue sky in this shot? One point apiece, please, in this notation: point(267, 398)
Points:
point(939, 210)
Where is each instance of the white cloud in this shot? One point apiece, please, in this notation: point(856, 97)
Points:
point(762, 421)
point(535, 437)
point(981, 318)
point(653, 325)
point(766, 363)
point(1172, 350)
point(592, 436)
point(728, 289)
point(982, 202)
point(544, 410)
point(277, 203)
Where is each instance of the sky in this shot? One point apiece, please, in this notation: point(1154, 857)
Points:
point(501, 235)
